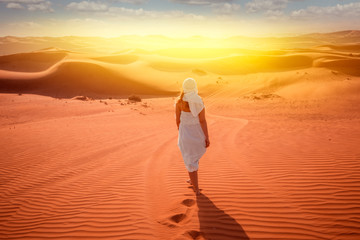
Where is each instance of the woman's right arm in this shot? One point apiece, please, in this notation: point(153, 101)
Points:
point(177, 113)
point(203, 124)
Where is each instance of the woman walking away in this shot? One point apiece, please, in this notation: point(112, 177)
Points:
point(193, 133)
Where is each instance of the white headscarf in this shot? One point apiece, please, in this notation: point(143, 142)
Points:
point(191, 96)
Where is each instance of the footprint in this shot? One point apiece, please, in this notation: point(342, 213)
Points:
point(175, 220)
point(167, 223)
point(188, 202)
point(195, 235)
point(178, 217)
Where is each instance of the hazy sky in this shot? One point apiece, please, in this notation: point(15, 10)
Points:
point(215, 18)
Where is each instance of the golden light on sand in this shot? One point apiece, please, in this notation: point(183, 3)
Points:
point(89, 138)
point(90, 130)
point(217, 63)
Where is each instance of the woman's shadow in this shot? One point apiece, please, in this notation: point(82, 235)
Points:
point(215, 224)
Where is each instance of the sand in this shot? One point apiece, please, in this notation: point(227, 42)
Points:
point(80, 161)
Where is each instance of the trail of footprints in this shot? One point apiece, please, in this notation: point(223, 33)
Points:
point(181, 219)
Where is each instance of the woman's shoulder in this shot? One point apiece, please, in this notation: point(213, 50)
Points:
point(178, 103)
point(178, 100)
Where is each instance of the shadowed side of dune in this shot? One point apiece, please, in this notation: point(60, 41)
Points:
point(344, 48)
point(30, 62)
point(70, 79)
point(348, 66)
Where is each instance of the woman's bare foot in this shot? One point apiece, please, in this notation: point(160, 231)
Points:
point(197, 192)
point(189, 181)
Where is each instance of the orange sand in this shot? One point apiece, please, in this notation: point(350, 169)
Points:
point(283, 161)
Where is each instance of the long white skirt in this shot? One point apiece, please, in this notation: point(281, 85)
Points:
point(191, 140)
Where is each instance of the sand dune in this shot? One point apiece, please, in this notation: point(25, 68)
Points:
point(30, 62)
point(85, 77)
point(68, 78)
point(98, 45)
point(70, 68)
point(60, 73)
point(344, 65)
point(79, 160)
point(348, 47)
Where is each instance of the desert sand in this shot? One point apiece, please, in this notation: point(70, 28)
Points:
point(283, 163)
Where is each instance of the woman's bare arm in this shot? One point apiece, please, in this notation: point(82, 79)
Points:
point(203, 124)
point(177, 112)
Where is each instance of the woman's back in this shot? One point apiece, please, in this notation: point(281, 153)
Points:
point(184, 106)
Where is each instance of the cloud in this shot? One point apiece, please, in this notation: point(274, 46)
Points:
point(202, 2)
point(101, 9)
point(140, 12)
point(339, 10)
point(29, 25)
point(87, 6)
point(260, 5)
point(14, 5)
point(131, 1)
point(22, 1)
point(225, 8)
point(86, 21)
point(32, 5)
point(275, 15)
point(43, 6)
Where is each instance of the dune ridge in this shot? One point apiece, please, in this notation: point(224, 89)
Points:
point(99, 45)
point(30, 62)
point(68, 78)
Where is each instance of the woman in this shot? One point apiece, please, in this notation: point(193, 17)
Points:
point(193, 133)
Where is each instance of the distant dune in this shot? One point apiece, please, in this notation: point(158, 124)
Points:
point(98, 45)
point(68, 68)
point(30, 62)
point(344, 65)
point(351, 48)
point(72, 78)
point(343, 36)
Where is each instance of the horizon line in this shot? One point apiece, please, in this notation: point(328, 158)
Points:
point(190, 36)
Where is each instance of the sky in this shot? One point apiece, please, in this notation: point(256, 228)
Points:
point(176, 18)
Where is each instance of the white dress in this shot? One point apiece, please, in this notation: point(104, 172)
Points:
point(191, 140)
